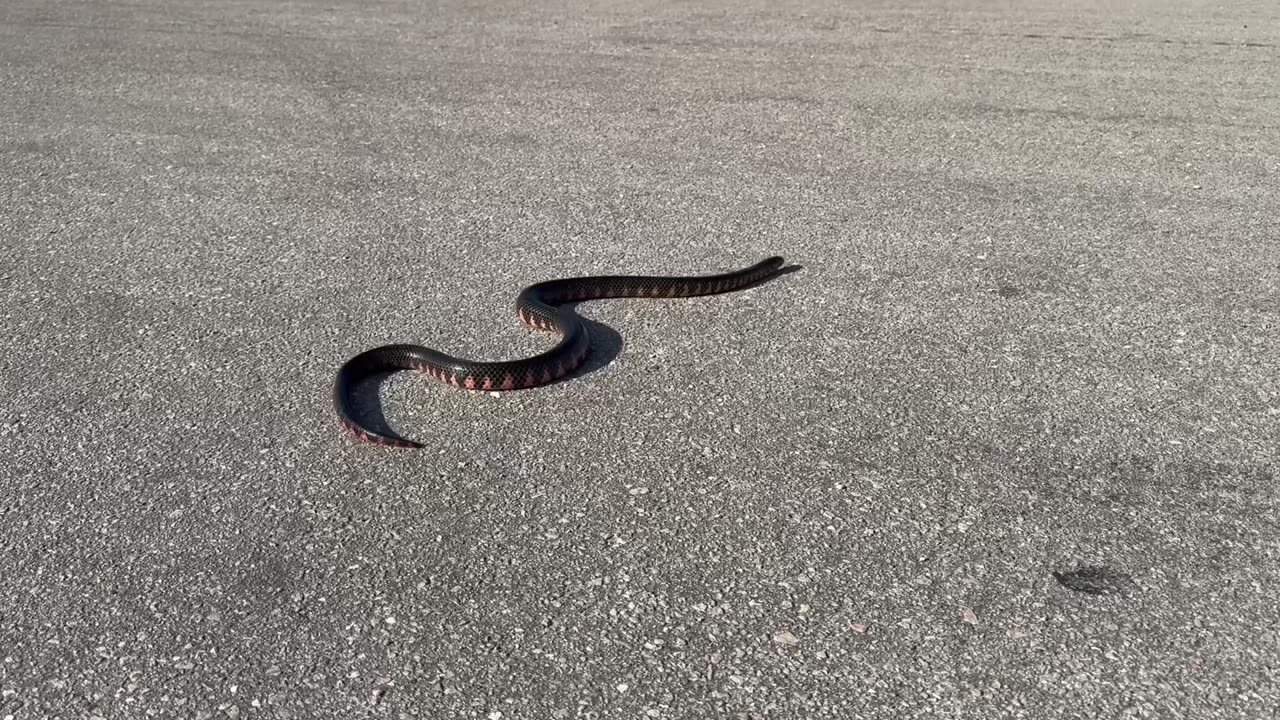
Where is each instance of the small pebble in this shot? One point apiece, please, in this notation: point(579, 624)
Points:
point(785, 638)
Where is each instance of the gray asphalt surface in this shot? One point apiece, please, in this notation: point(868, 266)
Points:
point(1033, 331)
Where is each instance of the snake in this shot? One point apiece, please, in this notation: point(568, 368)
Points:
point(541, 306)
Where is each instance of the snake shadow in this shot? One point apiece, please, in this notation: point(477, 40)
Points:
point(606, 346)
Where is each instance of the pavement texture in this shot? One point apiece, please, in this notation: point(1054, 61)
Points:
point(1004, 445)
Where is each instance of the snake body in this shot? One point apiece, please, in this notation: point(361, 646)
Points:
point(539, 306)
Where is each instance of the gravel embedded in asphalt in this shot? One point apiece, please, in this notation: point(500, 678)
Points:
point(1031, 337)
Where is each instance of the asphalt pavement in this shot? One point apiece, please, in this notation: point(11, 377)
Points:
point(1002, 445)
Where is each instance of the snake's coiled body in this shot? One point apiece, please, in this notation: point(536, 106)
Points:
point(538, 306)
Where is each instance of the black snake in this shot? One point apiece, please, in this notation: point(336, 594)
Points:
point(539, 306)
